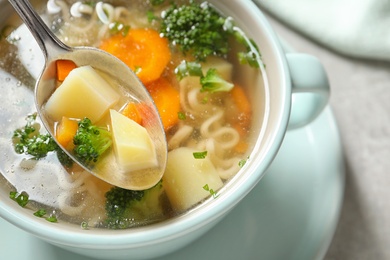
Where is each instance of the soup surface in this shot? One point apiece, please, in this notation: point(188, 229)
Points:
point(201, 78)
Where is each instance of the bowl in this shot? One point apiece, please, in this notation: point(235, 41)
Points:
point(271, 105)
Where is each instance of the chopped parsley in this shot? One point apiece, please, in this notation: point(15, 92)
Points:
point(200, 155)
point(118, 27)
point(205, 99)
point(181, 116)
point(40, 213)
point(211, 191)
point(52, 218)
point(242, 162)
point(28, 140)
point(20, 198)
point(84, 225)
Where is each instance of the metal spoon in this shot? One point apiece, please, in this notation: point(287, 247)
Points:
point(53, 49)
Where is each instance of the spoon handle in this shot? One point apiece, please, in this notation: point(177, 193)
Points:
point(47, 41)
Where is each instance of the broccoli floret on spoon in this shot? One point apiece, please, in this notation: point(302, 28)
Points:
point(90, 141)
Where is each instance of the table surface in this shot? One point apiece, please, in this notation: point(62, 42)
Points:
point(360, 99)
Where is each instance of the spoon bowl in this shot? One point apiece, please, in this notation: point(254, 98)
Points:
point(131, 88)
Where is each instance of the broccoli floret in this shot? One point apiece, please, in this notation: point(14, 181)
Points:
point(212, 82)
point(201, 30)
point(28, 139)
point(196, 28)
point(90, 141)
point(129, 208)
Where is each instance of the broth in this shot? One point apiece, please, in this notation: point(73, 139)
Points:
point(222, 124)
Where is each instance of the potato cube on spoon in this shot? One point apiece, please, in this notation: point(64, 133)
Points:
point(84, 93)
point(133, 146)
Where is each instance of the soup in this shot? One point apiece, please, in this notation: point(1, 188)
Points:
point(201, 85)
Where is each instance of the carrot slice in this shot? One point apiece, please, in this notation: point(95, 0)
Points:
point(64, 67)
point(66, 130)
point(243, 105)
point(241, 147)
point(132, 112)
point(143, 50)
point(167, 101)
point(241, 121)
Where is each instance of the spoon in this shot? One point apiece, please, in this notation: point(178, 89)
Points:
point(53, 49)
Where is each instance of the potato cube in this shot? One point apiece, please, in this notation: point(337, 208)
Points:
point(185, 177)
point(84, 93)
point(133, 146)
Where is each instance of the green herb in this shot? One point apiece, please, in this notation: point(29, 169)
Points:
point(28, 140)
point(20, 198)
point(211, 191)
point(242, 162)
point(181, 115)
point(205, 100)
point(52, 218)
point(84, 225)
point(200, 155)
point(40, 213)
point(118, 27)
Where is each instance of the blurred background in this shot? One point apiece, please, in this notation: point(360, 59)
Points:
point(350, 39)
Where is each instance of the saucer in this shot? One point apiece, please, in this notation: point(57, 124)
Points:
point(291, 214)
